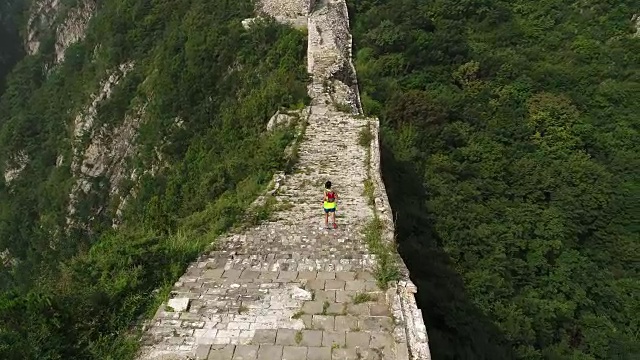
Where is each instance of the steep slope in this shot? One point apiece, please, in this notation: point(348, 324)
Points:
point(289, 288)
point(126, 144)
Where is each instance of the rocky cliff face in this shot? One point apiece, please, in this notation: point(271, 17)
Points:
point(98, 151)
point(107, 150)
point(68, 24)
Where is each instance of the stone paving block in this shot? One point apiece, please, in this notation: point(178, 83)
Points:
point(379, 310)
point(311, 338)
point(336, 309)
point(345, 296)
point(402, 351)
point(359, 339)
point(334, 285)
point(231, 274)
point(268, 275)
point(267, 337)
point(364, 275)
point(307, 275)
point(319, 353)
point(286, 337)
point(190, 316)
point(213, 273)
point(202, 352)
point(345, 275)
point(288, 275)
point(294, 353)
point(221, 352)
point(356, 285)
point(324, 275)
point(312, 307)
point(249, 274)
point(246, 352)
point(270, 352)
point(316, 284)
point(238, 326)
point(307, 320)
point(377, 323)
point(345, 323)
point(329, 338)
point(381, 340)
point(323, 322)
point(328, 295)
point(344, 354)
point(358, 309)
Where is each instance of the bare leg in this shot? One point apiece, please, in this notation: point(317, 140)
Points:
point(326, 219)
point(334, 219)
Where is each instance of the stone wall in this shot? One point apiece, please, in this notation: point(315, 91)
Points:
point(404, 296)
point(286, 8)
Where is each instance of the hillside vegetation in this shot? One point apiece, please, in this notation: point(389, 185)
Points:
point(207, 88)
point(511, 156)
point(10, 44)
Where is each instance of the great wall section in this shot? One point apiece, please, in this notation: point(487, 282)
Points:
point(289, 288)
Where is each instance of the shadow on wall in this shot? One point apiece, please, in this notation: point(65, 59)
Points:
point(457, 329)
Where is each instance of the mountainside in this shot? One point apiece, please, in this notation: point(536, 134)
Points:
point(511, 156)
point(131, 134)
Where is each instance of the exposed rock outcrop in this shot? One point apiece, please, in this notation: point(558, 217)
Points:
point(69, 24)
point(107, 150)
point(15, 166)
point(73, 28)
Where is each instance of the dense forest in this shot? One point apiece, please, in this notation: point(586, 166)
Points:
point(11, 12)
point(511, 157)
point(74, 291)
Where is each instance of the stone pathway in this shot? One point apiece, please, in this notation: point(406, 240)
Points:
point(290, 288)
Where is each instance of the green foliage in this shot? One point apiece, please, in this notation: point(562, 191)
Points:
point(368, 192)
point(509, 158)
point(365, 137)
point(386, 267)
point(10, 43)
point(360, 298)
point(76, 294)
point(343, 107)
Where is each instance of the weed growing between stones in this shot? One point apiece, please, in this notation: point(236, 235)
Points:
point(386, 269)
point(297, 315)
point(368, 192)
point(360, 298)
point(365, 137)
point(325, 306)
point(342, 107)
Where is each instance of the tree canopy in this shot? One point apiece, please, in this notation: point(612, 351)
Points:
point(511, 158)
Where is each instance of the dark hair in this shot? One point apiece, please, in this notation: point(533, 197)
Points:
point(327, 185)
